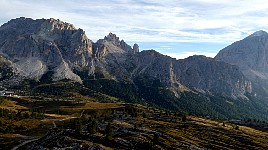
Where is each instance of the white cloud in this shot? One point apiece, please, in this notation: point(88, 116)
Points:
point(169, 19)
point(149, 20)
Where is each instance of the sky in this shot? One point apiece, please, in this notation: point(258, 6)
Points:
point(178, 28)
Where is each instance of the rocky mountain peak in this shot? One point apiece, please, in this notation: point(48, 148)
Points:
point(199, 57)
point(259, 33)
point(111, 44)
point(32, 25)
point(251, 56)
point(151, 52)
point(42, 45)
point(136, 48)
point(58, 24)
point(112, 38)
point(249, 53)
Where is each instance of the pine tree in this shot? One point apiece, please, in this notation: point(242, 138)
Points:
point(144, 115)
point(10, 128)
point(156, 138)
point(92, 127)
point(183, 118)
point(78, 126)
point(109, 131)
point(2, 112)
point(26, 115)
point(19, 115)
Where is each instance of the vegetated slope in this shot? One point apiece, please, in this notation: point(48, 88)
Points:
point(142, 127)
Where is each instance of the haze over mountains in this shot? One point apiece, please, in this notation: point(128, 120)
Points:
point(49, 50)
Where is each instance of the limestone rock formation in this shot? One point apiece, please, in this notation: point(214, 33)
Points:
point(207, 74)
point(251, 56)
point(197, 72)
point(36, 47)
point(136, 48)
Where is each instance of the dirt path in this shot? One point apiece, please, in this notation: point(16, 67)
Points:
point(24, 143)
point(54, 124)
point(82, 113)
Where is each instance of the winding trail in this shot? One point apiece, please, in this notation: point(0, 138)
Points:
point(24, 143)
point(82, 113)
point(54, 126)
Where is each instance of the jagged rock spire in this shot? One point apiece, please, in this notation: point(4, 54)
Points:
point(136, 48)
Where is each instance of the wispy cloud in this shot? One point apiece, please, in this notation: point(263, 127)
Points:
point(169, 20)
point(189, 21)
point(187, 54)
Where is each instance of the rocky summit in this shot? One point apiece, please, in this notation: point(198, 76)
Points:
point(251, 56)
point(38, 46)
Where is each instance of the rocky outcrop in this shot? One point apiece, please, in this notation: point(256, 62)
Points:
point(112, 45)
point(136, 48)
point(111, 55)
point(204, 73)
point(37, 46)
point(198, 73)
point(251, 56)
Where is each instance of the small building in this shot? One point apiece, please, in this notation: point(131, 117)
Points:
point(6, 93)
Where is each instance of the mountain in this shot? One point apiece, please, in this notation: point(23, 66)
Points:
point(39, 53)
point(38, 46)
point(196, 72)
point(205, 73)
point(251, 56)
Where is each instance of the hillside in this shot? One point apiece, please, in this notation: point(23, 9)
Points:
point(119, 126)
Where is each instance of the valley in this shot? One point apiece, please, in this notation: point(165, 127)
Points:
point(61, 90)
point(132, 126)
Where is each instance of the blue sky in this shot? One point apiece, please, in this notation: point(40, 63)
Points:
point(173, 27)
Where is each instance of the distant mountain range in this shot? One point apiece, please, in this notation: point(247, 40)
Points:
point(49, 50)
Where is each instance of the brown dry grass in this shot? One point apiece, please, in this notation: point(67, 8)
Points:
point(91, 105)
point(9, 104)
point(202, 131)
point(56, 116)
point(122, 123)
point(80, 97)
point(29, 123)
point(11, 135)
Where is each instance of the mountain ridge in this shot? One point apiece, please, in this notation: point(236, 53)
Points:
point(251, 56)
point(47, 51)
point(39, 46)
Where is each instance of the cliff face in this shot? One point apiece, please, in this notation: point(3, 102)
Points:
point(207, 74)
point(36, 47)
point(194, 73)
point(251, 56)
